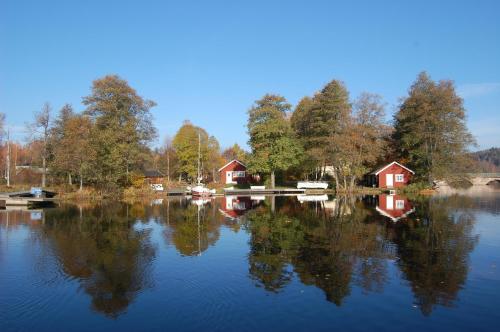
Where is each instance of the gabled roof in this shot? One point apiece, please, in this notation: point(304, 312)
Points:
point(153, 174)
point(229, 163)
point(394, 219)
point(389, 165)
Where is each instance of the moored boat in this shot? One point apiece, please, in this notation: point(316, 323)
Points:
point(201, 190)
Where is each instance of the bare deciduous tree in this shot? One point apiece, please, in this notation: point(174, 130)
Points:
point(40, 131)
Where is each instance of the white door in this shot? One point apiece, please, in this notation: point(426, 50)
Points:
point(229, 177)
point(390, 203)
point(389, 180)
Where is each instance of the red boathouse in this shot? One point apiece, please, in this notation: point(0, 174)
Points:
point(394, 207)
point(234, 172)
point(393, 175)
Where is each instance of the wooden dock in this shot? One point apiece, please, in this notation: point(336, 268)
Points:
point(275, 191)
point(26, 198)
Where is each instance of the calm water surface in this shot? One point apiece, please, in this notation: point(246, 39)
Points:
point(255, 264)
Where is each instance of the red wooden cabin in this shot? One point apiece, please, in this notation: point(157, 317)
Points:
point(393, 175)
point(234, 172)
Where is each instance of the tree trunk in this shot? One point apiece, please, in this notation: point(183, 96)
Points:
point(81, 180)
point(272, 179)
point(352, 183)
point(44, 171)
point(70, 180)
point(336, 178)
point(168, 167)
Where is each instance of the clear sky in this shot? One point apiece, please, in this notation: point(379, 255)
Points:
point(208, 61)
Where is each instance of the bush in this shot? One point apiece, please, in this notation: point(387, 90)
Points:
point(416, 187)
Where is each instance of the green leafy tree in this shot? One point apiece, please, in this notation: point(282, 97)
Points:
point(273, 143)
point(318, 120)
point(122, 130)
point(185, 143)
point(430, 130)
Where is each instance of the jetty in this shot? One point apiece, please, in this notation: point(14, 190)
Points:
point(264, 191)
point(33, 197)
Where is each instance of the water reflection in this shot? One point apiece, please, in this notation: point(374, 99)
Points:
point(342, 244)
point(333, 244)
point(324, 246)
point(434, 248)
point(101, 249)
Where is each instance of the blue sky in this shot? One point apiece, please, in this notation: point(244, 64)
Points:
point(208, 61)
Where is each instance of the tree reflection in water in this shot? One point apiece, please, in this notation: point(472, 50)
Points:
point(333, 245)
point(100, 247)
point(323, 246)
point(433, 249)
point(192, 228)
point(343, 243)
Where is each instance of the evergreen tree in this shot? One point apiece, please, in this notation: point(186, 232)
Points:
point(316, 121)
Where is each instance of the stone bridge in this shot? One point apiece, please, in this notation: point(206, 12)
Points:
point(476, 179)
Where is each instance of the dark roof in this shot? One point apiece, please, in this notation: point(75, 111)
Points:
point(153, 174)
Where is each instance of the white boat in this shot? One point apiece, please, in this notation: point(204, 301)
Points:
point(201, 190)
point(312, 198)
point(312, 185)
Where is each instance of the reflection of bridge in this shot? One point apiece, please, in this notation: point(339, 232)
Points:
point(476, 179)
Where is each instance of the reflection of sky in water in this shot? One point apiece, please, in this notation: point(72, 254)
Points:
point(309, 263)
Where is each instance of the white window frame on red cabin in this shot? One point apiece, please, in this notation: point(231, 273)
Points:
point(399, 177)
point(239, 174)
point(400, 204)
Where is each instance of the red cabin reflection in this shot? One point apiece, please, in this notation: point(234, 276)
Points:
point(394, 207)
point(234, 207)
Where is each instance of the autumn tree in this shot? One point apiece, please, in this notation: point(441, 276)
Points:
point(214, 158)
point(235, 152)
point(70, 141)
point(317, 120)
point(186, 142)
point(62, 149)
point(2, 124)
point(430, 129)
point(273, 143)
point(168, 160)
point(121, 132)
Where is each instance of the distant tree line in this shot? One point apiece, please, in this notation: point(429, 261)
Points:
point(488, 160)
point(109, 144)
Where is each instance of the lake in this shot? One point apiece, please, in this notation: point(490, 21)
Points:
point(386, 263)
